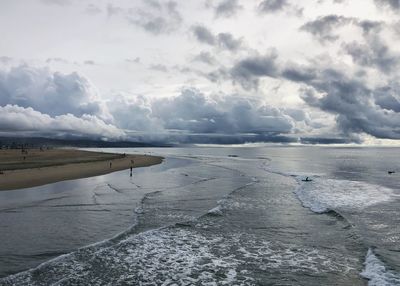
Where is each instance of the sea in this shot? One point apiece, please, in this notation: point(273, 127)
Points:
point(243, 215)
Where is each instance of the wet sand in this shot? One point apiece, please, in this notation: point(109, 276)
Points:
point(20, 169)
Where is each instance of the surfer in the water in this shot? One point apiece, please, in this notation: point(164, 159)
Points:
point(307, 179)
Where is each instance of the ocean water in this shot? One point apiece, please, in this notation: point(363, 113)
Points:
point(212, 216)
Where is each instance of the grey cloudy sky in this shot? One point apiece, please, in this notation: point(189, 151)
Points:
point(204, 71)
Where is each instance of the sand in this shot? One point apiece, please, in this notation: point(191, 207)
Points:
point(50, 166)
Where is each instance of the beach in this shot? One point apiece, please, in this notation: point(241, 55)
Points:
point(35, 167)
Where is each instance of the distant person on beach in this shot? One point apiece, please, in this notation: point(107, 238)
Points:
point(110, 165)
point(131, 172)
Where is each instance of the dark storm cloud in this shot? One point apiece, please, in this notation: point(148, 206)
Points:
point(221, 40)
point(203, 35)
point(388, 97)
point(353, 104)
point(271, 6)
point(298, 73)
point(276, 6)
point(393, 4)
point(357, 107)
point(157, 17)
point(374, 54)
point(218, 75)
point(323, 28)
point(227, 8)
point(248, 71)
point(369, 27)
point(227, 41)
point(225, 139)
point(327, 140)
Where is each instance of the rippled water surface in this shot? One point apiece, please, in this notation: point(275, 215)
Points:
point(212, 216)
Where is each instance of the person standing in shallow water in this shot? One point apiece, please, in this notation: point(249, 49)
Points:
point(132, 162)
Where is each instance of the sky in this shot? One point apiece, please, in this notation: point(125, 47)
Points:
point(204, 71)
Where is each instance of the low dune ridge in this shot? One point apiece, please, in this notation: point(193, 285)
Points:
point(34, 167)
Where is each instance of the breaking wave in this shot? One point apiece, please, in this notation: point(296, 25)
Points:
point(377, 272)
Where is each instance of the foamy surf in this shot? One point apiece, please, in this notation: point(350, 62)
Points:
point(176, 256)
point(377, 272)
point(322, 195)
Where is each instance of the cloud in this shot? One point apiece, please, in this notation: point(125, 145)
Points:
point(205, 57)
point(227, 41)
point(374, 52)
point(298, 73)
point(194, 112)
point(227, 8)
point(358, 108)
point(51, 93)
point(222, 40)
point(158, 17)
point(248, 71)
point(276, 6)
point(22, 120)
point(393, 4)
point(271, 6)
point(193, 117)
point(388, 97)
point(323, 28)
point(134, 113)
point(203, 35)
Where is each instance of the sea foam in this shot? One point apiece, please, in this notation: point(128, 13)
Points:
point(322, 195)
point(377, 273)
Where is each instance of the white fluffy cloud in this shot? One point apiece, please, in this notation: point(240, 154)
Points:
point(18, 119)
point(194, 112)
point(52, 93)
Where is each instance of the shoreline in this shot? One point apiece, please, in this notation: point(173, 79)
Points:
point(46, 167)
